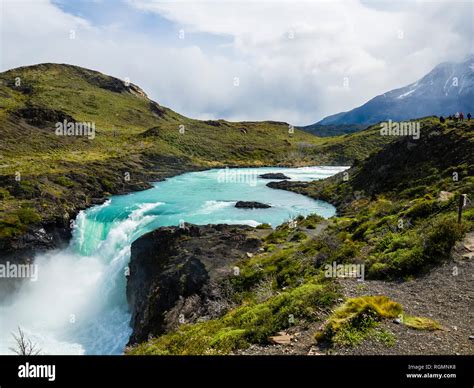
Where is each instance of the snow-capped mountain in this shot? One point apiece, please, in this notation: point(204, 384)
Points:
point(447, 89)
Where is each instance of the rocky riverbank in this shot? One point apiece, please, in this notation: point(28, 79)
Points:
point(53, 228)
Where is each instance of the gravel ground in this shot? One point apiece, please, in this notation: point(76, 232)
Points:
point(445, 294)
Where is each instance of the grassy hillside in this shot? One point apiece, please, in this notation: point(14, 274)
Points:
point(441, 159)
point(332, 129)
point(46, 178)
point(399, 207)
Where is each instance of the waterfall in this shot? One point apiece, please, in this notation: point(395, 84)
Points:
point(78, 304)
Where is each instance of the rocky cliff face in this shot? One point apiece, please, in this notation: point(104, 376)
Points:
point(181, 275)
point(22, 250)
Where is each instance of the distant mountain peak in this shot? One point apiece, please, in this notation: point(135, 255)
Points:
point(446, 89)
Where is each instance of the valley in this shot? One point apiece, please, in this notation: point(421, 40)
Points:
point(47, 179)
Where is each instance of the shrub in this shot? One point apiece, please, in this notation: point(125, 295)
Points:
point(287, 267)
point(351, 322)
point(378, 270)
point(10, 226)
point(107, 185)
point(4, 193)
point(252, 323)
point(64, 181)
point(345, 252)
point(469, 214)
point(355, 319)
point(413, 191)
point(408, 253)
point(227, 340)
point(26, 189)
point(408, 261)
point(298, 236)
point(422, 209)
point(359, 233)
point(280, 235)
point(441, 238)
point(311, 221)
point(382, 207)
point(28, 215)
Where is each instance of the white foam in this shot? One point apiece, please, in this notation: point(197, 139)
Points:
point(213, 206)
point(66, 286)
point(238, 222)
point(143, 208)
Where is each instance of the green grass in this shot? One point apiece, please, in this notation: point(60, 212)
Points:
point(354, 308)
point(288, 258)
point(395, 223)
point(421, 323)
point(384, 336)
point(16, 221)
point(358, 318)
point(249, 324)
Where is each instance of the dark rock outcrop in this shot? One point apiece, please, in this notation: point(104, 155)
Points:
point(285, 185)
point(215, 123)
point(154, 131)
point(251, 205)
point(273, 175)
point(182, 275)
point(108, 83)
point(157, 109)
point(42, 117)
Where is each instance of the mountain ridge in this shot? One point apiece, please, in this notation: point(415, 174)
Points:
point(446, 89)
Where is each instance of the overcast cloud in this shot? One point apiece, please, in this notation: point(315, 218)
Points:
point(292, 61)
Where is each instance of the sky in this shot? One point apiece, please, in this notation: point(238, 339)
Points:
point(292, 61)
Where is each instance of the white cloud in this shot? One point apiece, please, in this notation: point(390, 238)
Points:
point(296, 61)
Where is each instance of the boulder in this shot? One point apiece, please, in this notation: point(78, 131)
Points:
point(274, 175)
point(281, 339)
point(251, 205)
point(445, 196)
